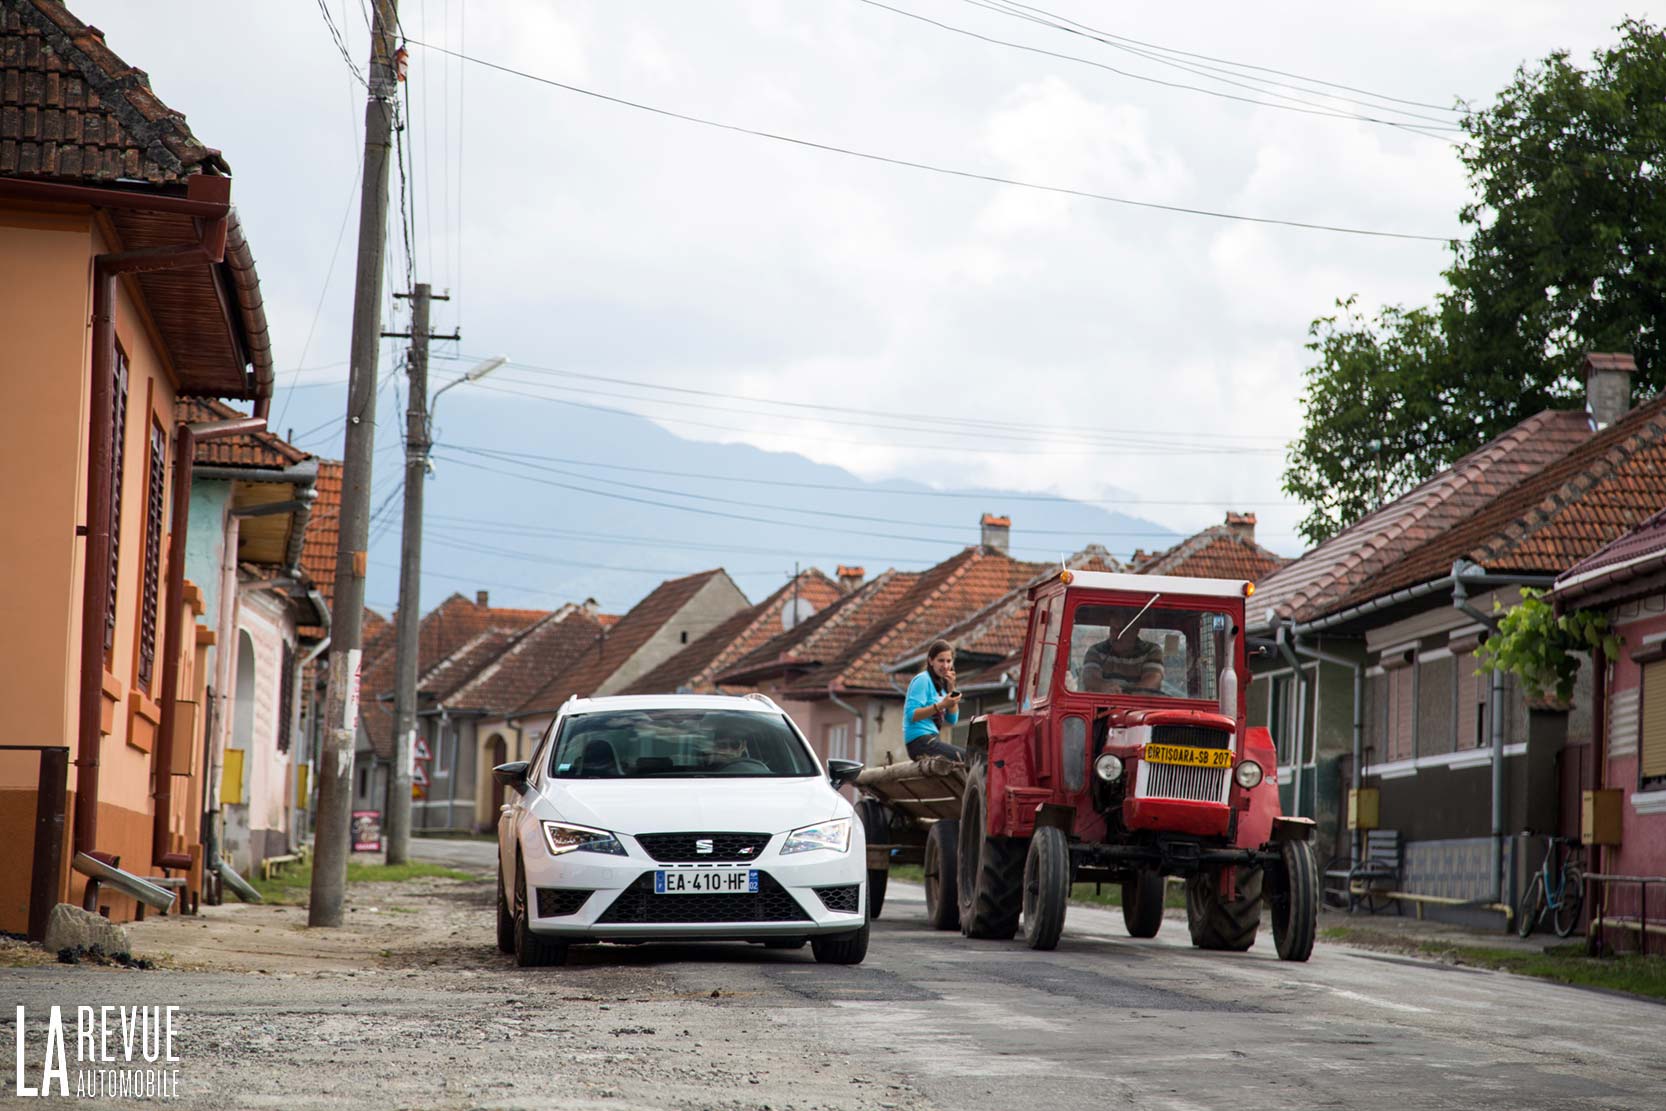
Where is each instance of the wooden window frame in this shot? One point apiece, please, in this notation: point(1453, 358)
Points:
point(1652, 656)
point(156, 486)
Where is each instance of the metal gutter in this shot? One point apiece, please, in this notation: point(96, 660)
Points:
point(861, 737)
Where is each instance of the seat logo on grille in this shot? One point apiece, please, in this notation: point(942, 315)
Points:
point(703, 845)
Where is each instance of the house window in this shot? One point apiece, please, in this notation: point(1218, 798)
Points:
point(1399, 728)
point(118, 428)
point(1651, 738)
point(286, 698)
point(364, 782)
point(1435, 682)
point(837, 740)
point(154, 490)
point(1470, 718)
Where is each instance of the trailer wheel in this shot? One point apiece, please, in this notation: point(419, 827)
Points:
point(1218, 923)
point(1142, 903)
point(1296, 904)
point(990, 877)
point(942, 874)
point(1046, 887)
point(876, 829)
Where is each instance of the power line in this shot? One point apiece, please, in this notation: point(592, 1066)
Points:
point(929, 167)
point(341, 44)
point(318, 309)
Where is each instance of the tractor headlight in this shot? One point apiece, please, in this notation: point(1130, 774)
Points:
point(565, 838)
point(1248, 774)
point(1108, 767)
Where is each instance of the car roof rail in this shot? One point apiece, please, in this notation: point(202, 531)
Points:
point(760, 696)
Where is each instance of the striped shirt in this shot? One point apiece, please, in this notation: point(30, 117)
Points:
point(1124, 670)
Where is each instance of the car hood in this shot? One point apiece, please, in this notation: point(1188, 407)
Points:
point(632, 806)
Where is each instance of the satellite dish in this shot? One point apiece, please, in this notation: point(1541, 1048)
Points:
point(795, 611)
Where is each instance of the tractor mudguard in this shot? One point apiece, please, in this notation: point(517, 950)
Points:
point(1255, 825)
point(1012, 776)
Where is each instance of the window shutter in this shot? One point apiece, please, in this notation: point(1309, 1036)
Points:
point(1651, 746)
point(1403, 710)
point(153, 553)
point(118, 426)
point(286, 699)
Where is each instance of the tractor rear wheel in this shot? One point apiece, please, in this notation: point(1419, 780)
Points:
point(1296, 904)
point(876, 829)
point(941, 875)
point(1046, 887)
point(1218, 923)
point(990, 877)
point(1142, 903)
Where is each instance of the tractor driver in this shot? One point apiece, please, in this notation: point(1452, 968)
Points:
point(1123, 663)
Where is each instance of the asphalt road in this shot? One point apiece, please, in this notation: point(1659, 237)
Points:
point(1158, 1024)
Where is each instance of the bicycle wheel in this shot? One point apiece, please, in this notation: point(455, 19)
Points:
point(1532, 905)
point(1566, 920)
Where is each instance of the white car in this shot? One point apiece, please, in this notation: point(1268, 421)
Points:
point(678, 817)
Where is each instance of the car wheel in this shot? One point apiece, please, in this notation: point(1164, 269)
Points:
point(848, 948)
point(532, 950)
point(505, 916)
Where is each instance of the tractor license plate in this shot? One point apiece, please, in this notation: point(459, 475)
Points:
point(1189, 757)
point(706, 881)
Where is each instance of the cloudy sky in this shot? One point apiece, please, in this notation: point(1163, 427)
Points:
point(965, 332)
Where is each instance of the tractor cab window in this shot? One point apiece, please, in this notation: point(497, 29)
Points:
point(1165, 653)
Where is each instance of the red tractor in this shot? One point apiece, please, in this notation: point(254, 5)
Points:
point(1129, 760)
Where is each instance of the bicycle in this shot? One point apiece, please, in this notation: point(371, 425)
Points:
point(1557, 889)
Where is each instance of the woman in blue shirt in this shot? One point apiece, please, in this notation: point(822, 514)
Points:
point(932, 703)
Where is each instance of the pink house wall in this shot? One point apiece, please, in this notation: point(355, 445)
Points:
point(1642, 848)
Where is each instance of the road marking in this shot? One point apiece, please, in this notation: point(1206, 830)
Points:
point(1387, 1004)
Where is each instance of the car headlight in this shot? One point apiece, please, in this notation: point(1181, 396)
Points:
point(564, 838)
point(834, 834)
point(1248, 774)
point(1108, 767)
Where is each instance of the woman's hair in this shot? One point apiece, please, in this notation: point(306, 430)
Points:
point(931, 653)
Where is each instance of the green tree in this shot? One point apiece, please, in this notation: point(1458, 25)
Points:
point(1564, 256)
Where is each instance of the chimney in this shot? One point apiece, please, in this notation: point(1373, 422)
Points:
point(590, 606)
point(850, 577)
point(480, 597)
point(1608, 386)
point(995, 532)
point(1242, 526)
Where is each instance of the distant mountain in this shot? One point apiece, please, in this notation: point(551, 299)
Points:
point(559, 527)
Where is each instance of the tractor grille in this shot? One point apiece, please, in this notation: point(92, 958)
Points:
point(684, 848)
point(638, 903)
point(843, 899)
point(553, 902)
point(1170, 781)
point(1197, 736)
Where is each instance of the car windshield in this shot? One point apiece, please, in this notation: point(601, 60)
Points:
point(640, 744)
point(1160, 652)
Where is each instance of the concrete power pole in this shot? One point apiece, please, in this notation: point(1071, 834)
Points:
point(410, 583)
point(335, 770)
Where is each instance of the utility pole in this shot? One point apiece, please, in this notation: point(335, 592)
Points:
point(398, 820)
point(335, 771)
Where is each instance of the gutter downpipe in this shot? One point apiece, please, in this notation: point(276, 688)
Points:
point(1285, 650)
point(186, 438)
point(861, 738)
point(95, 599)
point(1358, 668)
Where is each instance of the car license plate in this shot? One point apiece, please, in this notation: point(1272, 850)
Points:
point(1189, 757)
point(706, 881)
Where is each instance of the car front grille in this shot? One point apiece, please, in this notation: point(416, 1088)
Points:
point(638, 903)
point(554, 902)
point(1171, 781)
point(845, 899)
point(684, 848)
point(1197, 736)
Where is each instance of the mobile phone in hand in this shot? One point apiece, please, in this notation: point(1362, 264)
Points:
point(954, 694)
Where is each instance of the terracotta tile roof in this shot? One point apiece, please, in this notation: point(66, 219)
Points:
point(1615, 567)
point(538, 654)
point(1217, 552)
point(250, 449)
point(693, 669)
point(591, 672)
point(442, 680)
point(1552, 519)
point(318, 546)
point(938, 598)
point(1318, 582)
point(824, 636)
point(71, 109)
point(443, 630)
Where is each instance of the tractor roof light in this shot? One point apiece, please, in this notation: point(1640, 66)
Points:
point(1248, 775)
point(1108, 767)
point(1249, 588)
point(1065, 576)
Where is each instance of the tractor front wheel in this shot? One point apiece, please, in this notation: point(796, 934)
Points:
point(1142, 903)
point(941, 875)
point(1046, 887)
point(1296, 903)
point(990, 873)
point(1221, 923)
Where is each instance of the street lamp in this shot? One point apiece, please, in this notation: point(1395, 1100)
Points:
point(474, 375)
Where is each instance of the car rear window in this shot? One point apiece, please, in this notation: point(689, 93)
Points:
point(679, 743)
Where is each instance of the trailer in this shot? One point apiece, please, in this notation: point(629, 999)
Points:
point(910, 814)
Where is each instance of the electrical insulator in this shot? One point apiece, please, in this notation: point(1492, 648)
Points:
point(400, 58)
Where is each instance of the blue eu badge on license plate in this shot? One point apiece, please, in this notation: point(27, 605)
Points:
point(706, 881)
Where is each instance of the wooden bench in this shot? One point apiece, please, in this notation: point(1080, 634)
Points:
point(1369, 882)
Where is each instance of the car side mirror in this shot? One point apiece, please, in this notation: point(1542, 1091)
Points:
point(512, 775)
point(841, 772)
